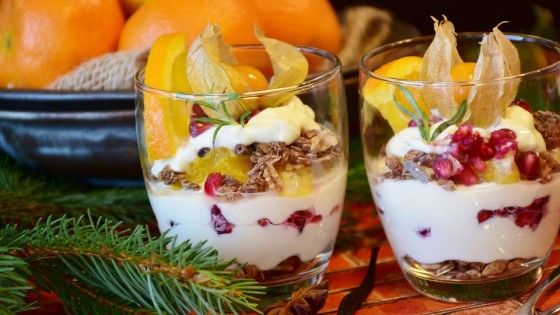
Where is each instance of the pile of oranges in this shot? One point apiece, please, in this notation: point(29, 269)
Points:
point(42, 40)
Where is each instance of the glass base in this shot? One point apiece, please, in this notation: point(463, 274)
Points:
point(490, 289)
point(282, 289)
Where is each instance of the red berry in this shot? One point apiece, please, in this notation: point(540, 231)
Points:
point(219, 222)
point(467, 176)
point(485, 151)
point(212, 183)
point(484, 215)
point(528, 164)
point(503, 141)
point(477, 162)
point(197, 127)
point(412, 123)
point(443, 167)
point(523, 104)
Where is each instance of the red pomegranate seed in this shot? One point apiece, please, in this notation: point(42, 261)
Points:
point(467, 176)
point(443, 167)
point(425, 232)
point(484, 215)
point(477, 162)
point(219, 222)
point(485, 151)
point(197, 127)
point(523, 104)
point(501, 135)
point(464, 130)
point(528, 164)
point(412, 123)
point(212, 183)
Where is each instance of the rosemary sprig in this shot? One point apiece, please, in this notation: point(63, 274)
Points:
point(421, 118)
point(221, 109)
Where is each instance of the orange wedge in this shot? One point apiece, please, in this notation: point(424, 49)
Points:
point(381, 94)
point(166, 120)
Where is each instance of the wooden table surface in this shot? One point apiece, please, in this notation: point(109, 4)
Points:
point(392, 293)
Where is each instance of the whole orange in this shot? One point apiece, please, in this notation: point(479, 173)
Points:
point(298, 22)
point(301, 22)
point(157, 17)
point(41, 40)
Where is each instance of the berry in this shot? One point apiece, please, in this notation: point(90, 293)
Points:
point(484, 215)
point(528, 164)
point(198, 127)
point(298, 219)
point(425, 232)
point(503, 141)
point(523, 104)
point(443, 167)
point(212, 183)
point(467, 176)
point(219, 222)
point(530, 215)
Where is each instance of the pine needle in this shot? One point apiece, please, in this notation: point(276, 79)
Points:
point(97, 266)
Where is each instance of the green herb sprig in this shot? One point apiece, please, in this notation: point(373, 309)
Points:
point(221, 109)
point(421, 118)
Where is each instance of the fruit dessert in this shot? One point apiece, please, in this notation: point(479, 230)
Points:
point(478, 166)
point(251, 173)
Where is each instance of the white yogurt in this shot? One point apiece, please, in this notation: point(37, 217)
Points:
point(451, 217)
point(186, 214)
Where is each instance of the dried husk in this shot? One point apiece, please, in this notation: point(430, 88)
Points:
point(289, 65)
point(440, 57)
point(210, 70)
point(498, 58)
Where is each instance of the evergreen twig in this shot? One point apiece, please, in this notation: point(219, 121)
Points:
point(96, 265)
point(29, 195)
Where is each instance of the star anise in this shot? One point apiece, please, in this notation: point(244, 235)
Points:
point(305, 301)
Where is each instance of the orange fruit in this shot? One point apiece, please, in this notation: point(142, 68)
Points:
point(298, 22)
point(381, 95)
point(236, 19)
point(462, 72)
point(41, 40)
point(221, 160)
point(166, 120)
point(301, 22)
point(502, 171)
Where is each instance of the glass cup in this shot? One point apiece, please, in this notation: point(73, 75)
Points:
point(268, 193)
point(466, 223)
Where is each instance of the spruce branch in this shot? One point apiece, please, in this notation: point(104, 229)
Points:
point(96, 265)
point(29, 195)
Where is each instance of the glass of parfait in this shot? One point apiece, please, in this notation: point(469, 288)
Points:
point(461, 138)
point(254, 167)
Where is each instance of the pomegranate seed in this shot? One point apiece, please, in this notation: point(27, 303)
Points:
point(254, 113)
point(528, 164)
point(485, 151)
point(219, 222)
point(300, 218)
point(501, 135)
point(425, 232)
point(443, 167)
point(523, 104)
point(455, 150)
point(503, 141)
point(471, 143)
point(477, 162)
point(263, 222)
point(197, 127)
point(467, 176)
point(212, 183)
point(464, 130)
point(412, 123)
point(484, 215)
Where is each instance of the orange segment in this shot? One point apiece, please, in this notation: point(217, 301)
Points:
point(221, 160)
point(381, 94)
point(166, 120)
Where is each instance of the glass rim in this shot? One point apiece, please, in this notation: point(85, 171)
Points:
point(514, 37)
point(306, 85)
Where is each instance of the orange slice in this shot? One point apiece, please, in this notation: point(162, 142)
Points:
point(380, 94)
point(166, 120)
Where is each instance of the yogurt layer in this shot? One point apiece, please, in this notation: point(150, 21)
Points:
point(187, 215)
point(431, 224)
